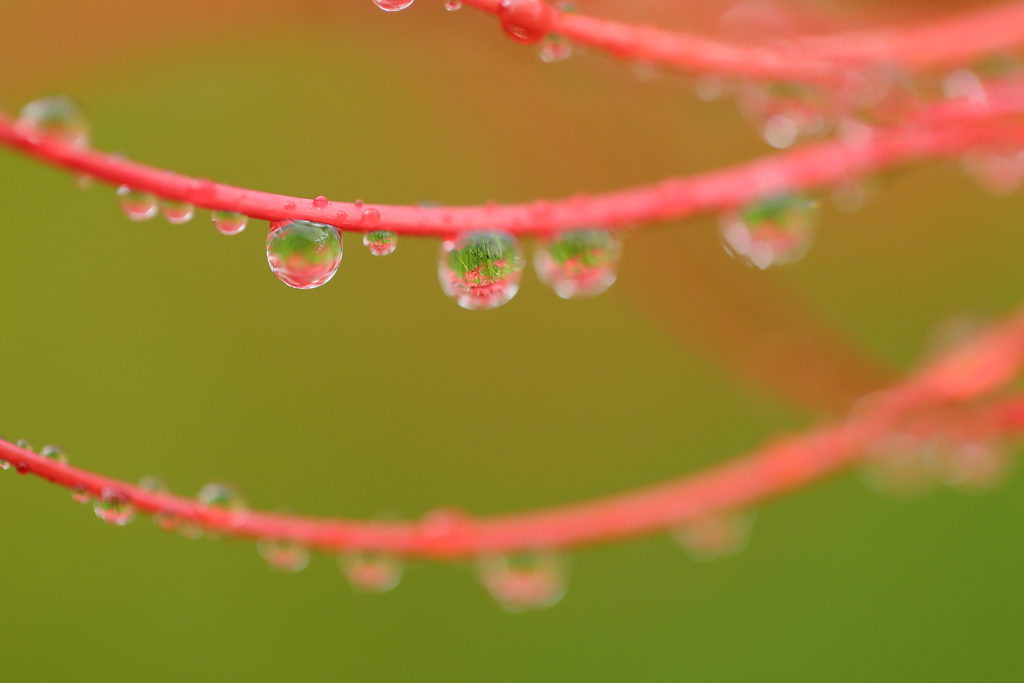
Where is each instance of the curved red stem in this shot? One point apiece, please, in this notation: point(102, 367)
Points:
point(983, 365)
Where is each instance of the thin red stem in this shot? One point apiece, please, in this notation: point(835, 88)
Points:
point(806, 168)
point(976, 369)
point(935, 43)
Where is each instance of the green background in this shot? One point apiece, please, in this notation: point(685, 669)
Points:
point(172, 350)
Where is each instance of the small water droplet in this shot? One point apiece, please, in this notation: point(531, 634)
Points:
point(578, 263)
point(138, 205)
point(224, 497)
point(22, 467)
point(229, 222)
point(320, 202)
point(80, 495)
point(24, 443)
point(340, 216)
point(453, 5)
point(772, 232)
point(113, 508)
point(481, 270)
point(525, 21)
point(177, 212)
point(371, 217)
point(371, 572)
point(55, 453)
point(380, 242)
point(283, 556)
point(4, 464)
point(524, 582)
point(716, 536)
point(358, 203)
point(289, 206)
point(554, 49)
point(785, 113)
point(392, 5)
point(57, 117)
point(900, 465)
point(303, 254)
point(153, 484)
point(709, 88)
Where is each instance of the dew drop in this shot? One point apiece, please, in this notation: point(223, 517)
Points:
point(716, 536)
point(579, 263)
point(303, 254)
point(392, 5)
point(554, 49)
point(785, 113)
point(358, 203)
point(229, 222)
point(780, 131)
point(113, 508)
point(177, 212)
point(54, 453)
point(224, 497)
point(524, 582)
point(283, 556)
point(772, 232)
point(22, 467)
point(5, 464)
point(320, 202)
point(380, 242)
point(525, 21)
point(369, 572)
point(153, 484)
point(453, 5)
point(371, 217)
point(24, 443)
point(138, 205)
point(57, 117)
point(481, 270)
point(80, 495)
point(165, 521)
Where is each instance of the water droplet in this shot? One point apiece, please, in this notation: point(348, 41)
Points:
point(55, 453)
point(709, 88)
point(304, 255)
point(22, 467)
point(165, 521)
point(524, 582)
point(481, 270)
point(58, 117)
point(24, 443)
point(371, 572)
point(138, 205)
point(4, 464)
point(579, 263)
point(901, 465)
point(392, 5)
point(780, 131)
point(380, 242)
point(225, 497)
point(371, 217)
point(554, 49)
point(716, 536)
point(358, 203)
point(964, 84)
point(80, 495)
point(177, 212)
point(229, 222)
point(785, 113)
point(189, 530)
point(320, 202)
point(772, 232)
point(525, 21)
point(153, 484)
point(283, 556)
point(113, 508)
point(453, 5)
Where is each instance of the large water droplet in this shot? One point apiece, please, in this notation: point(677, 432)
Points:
point(55, 453)
point(524, 582)
point(229, 222)
point(453, 5)
point(525, 21)
point(304, 255)
point(578, 263)
point(283, 556)
point(57, 117)
point(380, 242)
point(138, 205)
point(371, 572)
point(320, 202)
point(481, 270)
point(392, 5)
point(554, 49)
point(113, 508)
point(716, 536)
point(177, 212)
point(772, 232)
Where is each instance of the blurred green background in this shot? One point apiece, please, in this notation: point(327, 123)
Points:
point(172, 350)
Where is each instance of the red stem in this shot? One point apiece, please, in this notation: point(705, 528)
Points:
point(936, 43)
point(983, 365)
point(808, 167)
